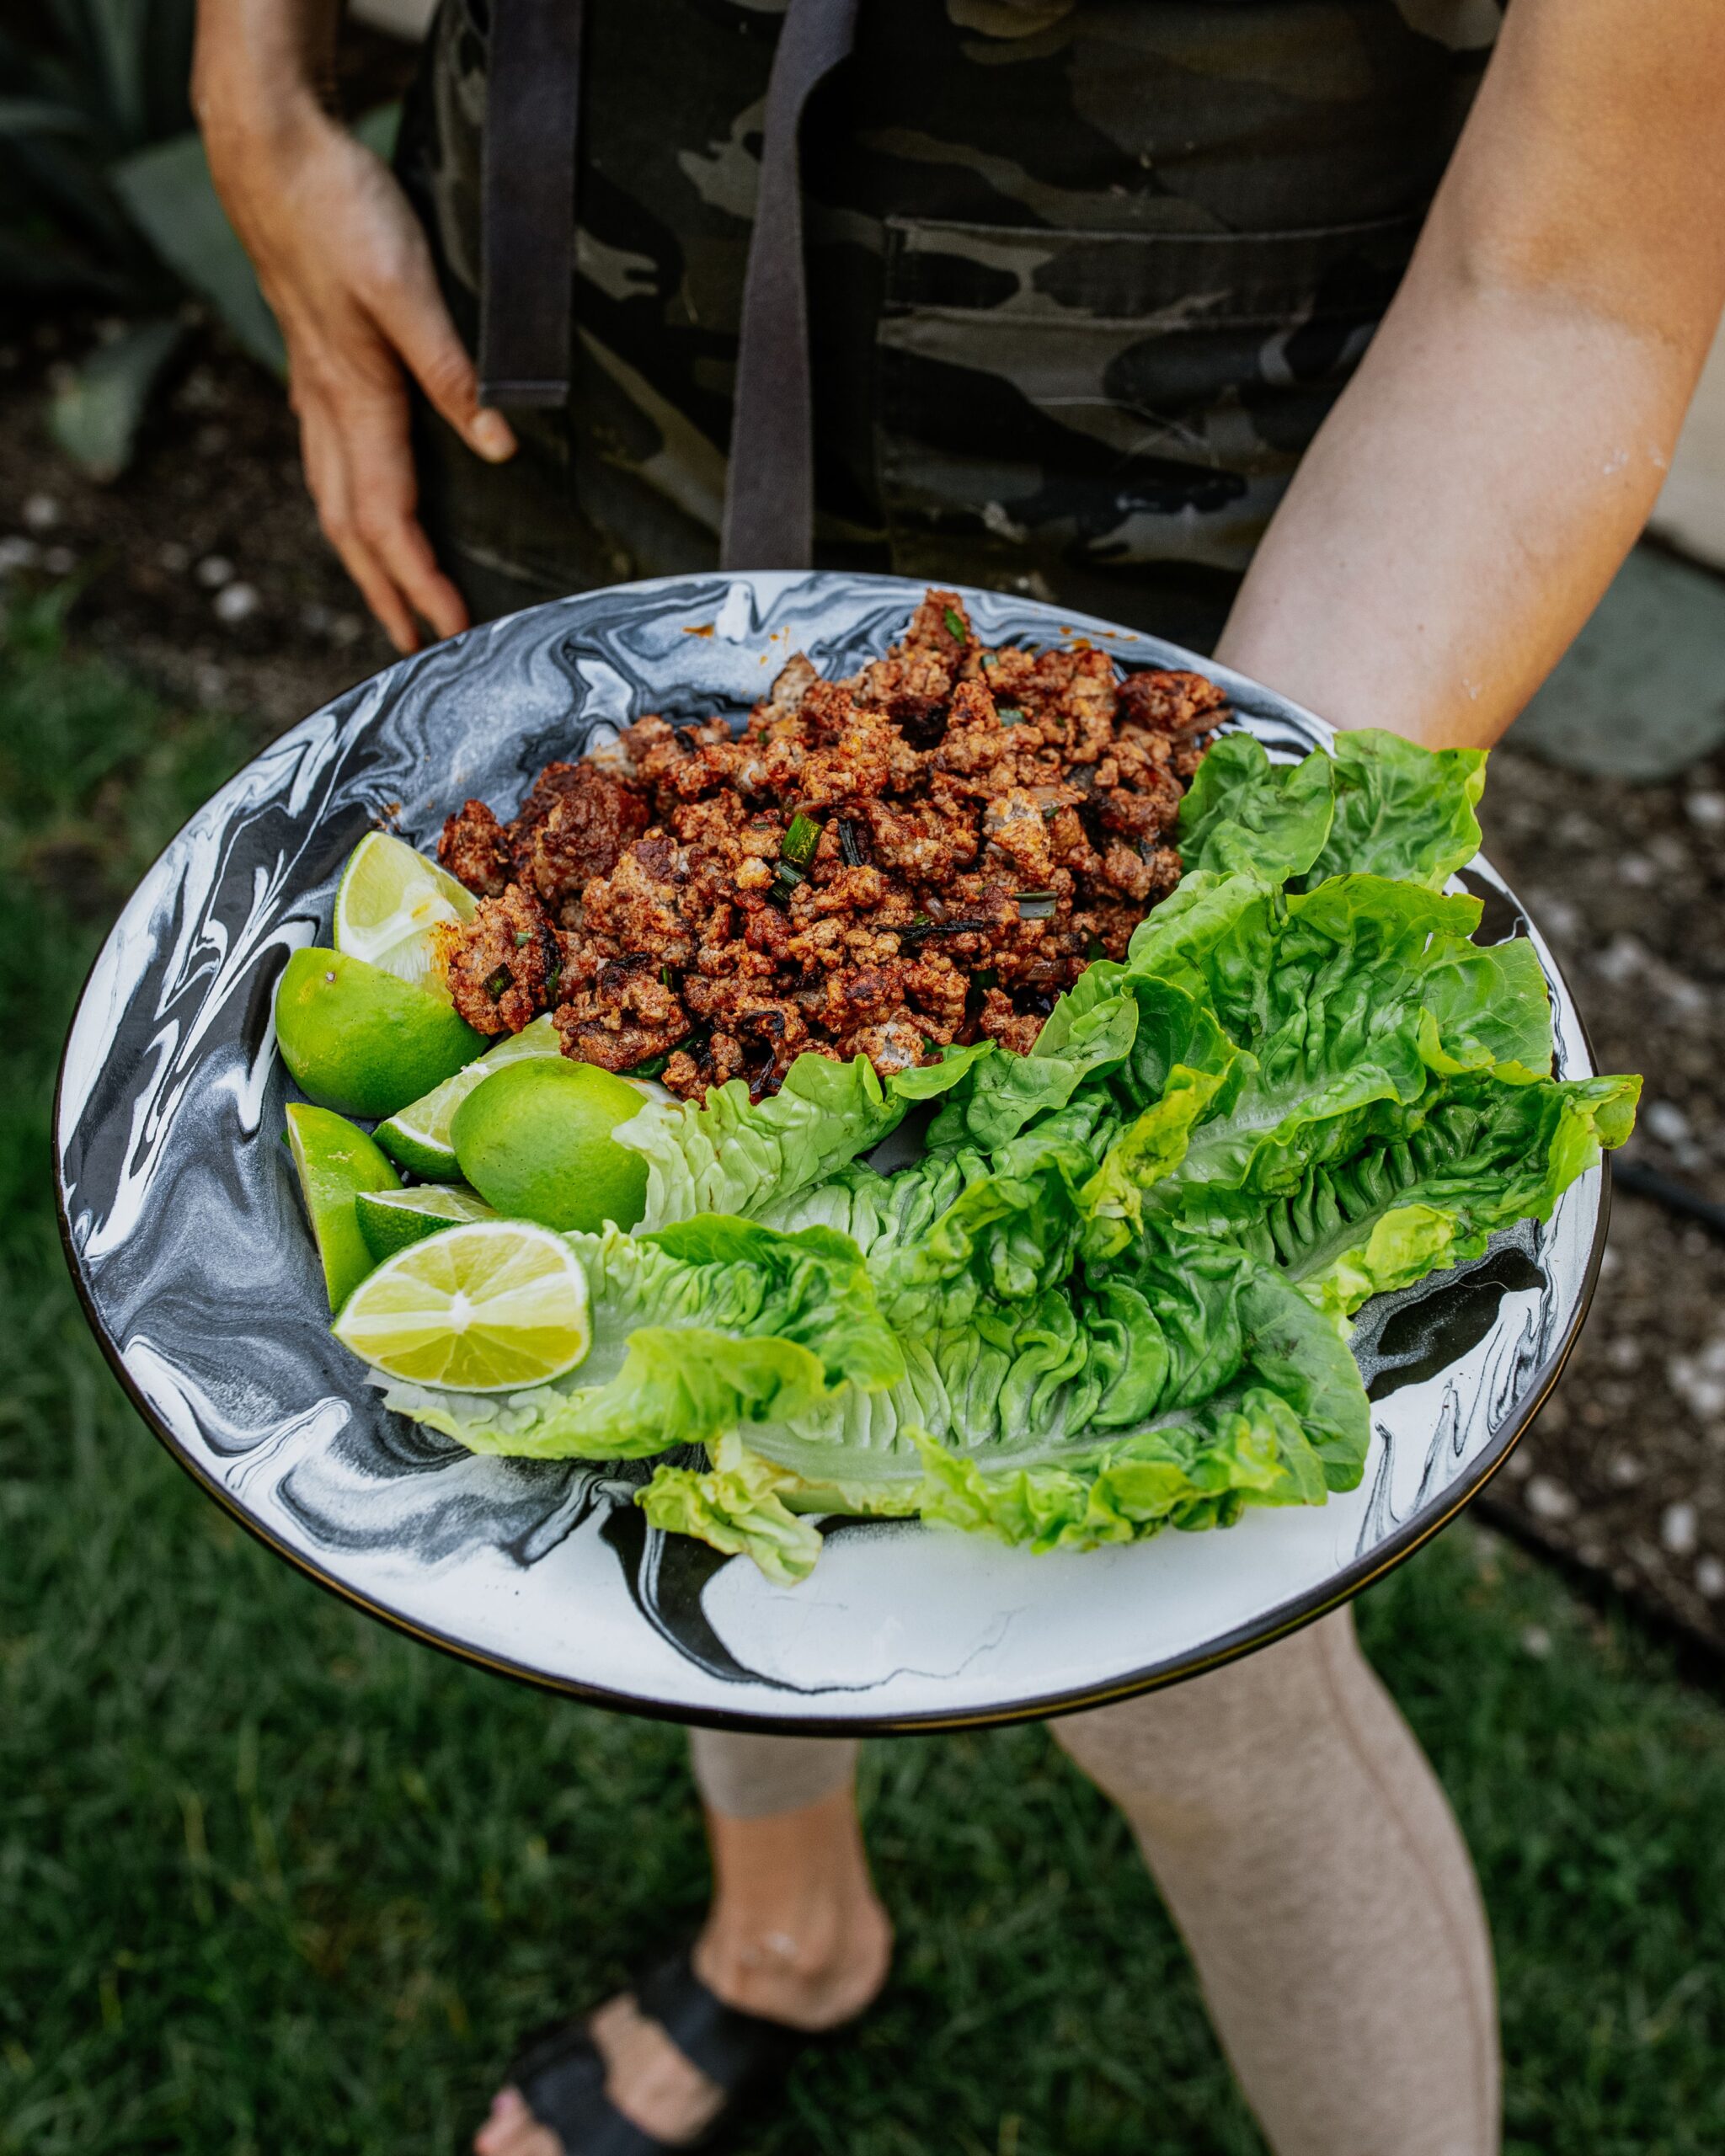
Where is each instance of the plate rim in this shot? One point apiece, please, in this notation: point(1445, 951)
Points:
point(1338, 1588)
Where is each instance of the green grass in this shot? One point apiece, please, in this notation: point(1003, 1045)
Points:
point(274, 1880)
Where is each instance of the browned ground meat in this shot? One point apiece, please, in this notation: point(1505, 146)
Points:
point(506, 965)
point(978, 825)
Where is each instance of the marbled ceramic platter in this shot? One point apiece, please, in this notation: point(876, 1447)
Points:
point(197, 1270)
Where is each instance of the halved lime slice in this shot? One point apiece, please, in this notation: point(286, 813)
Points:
point(390, 1219)
point(337, 1163)
point(419, 1137)
point(488, 1307)
point(389, 901)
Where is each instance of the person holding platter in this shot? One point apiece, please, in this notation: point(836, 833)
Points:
point(1347, 338)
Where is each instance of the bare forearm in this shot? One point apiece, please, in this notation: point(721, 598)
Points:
point(1495, 456)
point(1455, 523)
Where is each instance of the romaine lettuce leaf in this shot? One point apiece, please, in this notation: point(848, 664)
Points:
point(738, 1156)
point(712, 1324)
point(745, 1505)
point(1399, 810)
point(1374, 804)
point(1486, 1155)
point(1243, 812)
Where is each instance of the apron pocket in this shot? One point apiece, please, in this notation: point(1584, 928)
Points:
point(1080, 400)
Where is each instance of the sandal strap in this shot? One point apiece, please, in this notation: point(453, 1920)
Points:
point(561, 2076)
point(735, 2049)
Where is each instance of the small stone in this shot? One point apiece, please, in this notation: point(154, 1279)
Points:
point(1625, 1471)
point(1609, 1263)
point(1623, 1353)
point(1548, 1500)
point(1624, 959)
point(1635, 870)
point(1708, 809)
point(236, 602)
point(1699, 1380)
point(346, 628)
point(214, 571)
point(1710, 1577)
point(1536, 1640)
point(17, 552)
point(59, 561)
point(212, 685)
point(41, 512)
point(1520, 1465)
point(173, 558)
point(1558, 918)
point(1679, 1528)
point(316, 619)
point(1667, 1122)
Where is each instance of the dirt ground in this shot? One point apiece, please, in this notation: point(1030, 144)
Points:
point(1625, 1470)
point(204, 566)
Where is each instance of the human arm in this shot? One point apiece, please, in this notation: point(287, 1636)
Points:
point(1483, 476)
point(343, 264)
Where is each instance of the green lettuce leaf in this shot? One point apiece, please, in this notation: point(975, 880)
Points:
point(1399, 810)
point(1243, 814)
point(1486, 1155)
point(737, 1157)
point(712, 1325)
point(745, 1505)
point(1374, 804)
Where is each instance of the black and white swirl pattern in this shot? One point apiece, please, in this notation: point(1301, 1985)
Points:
point(198, 1272)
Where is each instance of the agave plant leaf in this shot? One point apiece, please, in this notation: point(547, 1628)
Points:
point(168, 192)
point(41, 116)
point(94, 415)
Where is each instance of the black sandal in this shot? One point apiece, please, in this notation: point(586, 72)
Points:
point(561, 2075)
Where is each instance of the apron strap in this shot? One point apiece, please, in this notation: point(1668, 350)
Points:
point(532, 116)
point(769, 500)
point(527, 205)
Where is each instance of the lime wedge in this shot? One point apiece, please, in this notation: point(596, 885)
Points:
point(390, 1219)
point(362, 1040)
point(389, 901)
point(337, 1162)
point(419, 1137)
point(490, 1306)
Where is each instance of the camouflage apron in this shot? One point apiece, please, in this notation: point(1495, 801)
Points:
point(1084, 278)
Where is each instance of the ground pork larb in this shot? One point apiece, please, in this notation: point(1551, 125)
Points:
point(927, 852)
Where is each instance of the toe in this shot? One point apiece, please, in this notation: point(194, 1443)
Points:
point(512, 2130)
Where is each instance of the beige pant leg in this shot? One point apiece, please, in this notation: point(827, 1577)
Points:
point(752, 1777)
point(1310, 1857)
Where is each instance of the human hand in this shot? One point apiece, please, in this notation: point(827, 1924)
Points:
point(345, 265)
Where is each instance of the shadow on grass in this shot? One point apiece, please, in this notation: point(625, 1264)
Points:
point(273, 1879)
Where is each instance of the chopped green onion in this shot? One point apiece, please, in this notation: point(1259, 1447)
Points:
point(665, 976)
point(498, 982)
point(1009, 714)
point(921, 927)
point(788, 873)
point(1094, 949)
point(523, 935)
point(1036, 905)
point(955, 622)
point(990, 659)
point(985, 978)
point(849, 844)
point(800, 841)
